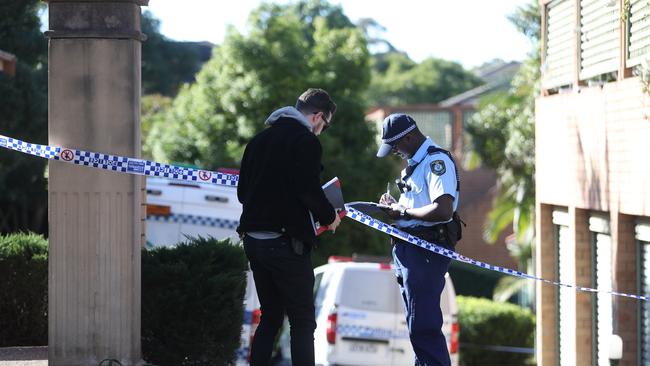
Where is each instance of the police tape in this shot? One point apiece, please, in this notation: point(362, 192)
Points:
point(118, 163)
point(149, 168)
point(399, 234)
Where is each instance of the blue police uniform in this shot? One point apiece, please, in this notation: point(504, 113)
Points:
point(421, 273)
point(430, 174)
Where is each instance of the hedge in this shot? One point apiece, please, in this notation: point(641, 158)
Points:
point(470, 280)
point(485, 324)
point(192, 298)
point(23, 289)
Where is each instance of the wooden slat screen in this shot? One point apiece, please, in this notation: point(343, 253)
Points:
point(559, 62)
point(639, 32)
point(600, 23)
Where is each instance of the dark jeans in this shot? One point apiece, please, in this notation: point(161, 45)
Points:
point(421, 275)
point(284, 282)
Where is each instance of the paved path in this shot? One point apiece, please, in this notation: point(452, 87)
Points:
point(23, 356)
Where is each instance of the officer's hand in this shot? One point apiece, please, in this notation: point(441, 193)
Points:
point(337, 220)
point(395, 210)
point(387, 199)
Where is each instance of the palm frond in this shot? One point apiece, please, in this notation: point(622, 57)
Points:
point(507, 287)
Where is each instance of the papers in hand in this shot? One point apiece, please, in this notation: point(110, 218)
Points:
point(334, 194)
point(372, 209)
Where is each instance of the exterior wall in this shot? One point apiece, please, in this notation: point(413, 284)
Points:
point(591, 156)
point(546, 296)
point(7, 63)
point(592, 148)
point(584, 301)
point(478, 192)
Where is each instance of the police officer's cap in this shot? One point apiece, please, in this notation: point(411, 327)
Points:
point(396, 126)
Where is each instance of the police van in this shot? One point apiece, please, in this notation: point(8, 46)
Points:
point(359, 308)
point(178, 209)
point(360, 316)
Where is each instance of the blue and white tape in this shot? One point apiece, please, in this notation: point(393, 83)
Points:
point(195, 220)
point(397, 233)
point(154, 169)
point(118, 163)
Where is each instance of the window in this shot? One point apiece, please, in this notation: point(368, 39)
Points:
point(467, 138)
point(566, 296)
point(435, 124)
point(380, 296)
point(320, 288)
point(602, 280)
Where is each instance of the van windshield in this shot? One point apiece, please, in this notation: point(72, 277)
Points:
point(373, 290)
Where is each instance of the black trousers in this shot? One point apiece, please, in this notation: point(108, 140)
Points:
point(284, 282)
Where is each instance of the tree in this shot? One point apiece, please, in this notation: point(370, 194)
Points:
point(503, 135)
point(287, 49)
point(398, 80)
point(23, 203)
point(166, 64)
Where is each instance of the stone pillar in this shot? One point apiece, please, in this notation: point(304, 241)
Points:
point(95, 233)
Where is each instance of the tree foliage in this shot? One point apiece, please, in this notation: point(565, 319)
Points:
point(287, 49)
point(20, 32)
point(23, 304)
point(166, 64)
point(503, 135)
point(23, 112)
point(398, 80)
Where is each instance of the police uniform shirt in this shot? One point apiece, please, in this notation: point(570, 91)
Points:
point(433, 177)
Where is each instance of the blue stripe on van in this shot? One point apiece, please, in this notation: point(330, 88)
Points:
point(358, 331)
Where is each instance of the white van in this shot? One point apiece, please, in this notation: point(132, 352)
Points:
point(177, 209)
point(360, 316)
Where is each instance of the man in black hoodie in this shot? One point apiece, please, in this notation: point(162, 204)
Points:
point(279, 184)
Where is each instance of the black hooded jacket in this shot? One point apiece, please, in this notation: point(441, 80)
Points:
point(279, 179)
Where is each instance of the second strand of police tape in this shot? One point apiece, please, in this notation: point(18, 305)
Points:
point(149, 168)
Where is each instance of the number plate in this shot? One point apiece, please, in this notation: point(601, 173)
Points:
point(363, 347)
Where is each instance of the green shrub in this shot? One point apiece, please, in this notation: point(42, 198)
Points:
point(192, 298)
point(470, 280)
point(23, 290)
point(487, 323)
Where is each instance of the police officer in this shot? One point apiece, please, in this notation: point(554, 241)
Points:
point(426, 208)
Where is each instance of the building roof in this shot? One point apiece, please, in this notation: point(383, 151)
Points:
point(497, 77)
point(6, 56)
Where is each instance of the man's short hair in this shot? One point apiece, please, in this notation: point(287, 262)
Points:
point(315, 100)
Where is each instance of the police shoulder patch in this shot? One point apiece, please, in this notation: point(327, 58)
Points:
point(438, 167)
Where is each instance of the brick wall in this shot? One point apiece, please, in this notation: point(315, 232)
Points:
point(546, 299)
point(625, 279)
point(592, 148)
point(584, 271)
point(478, 191)
point(592, 155)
